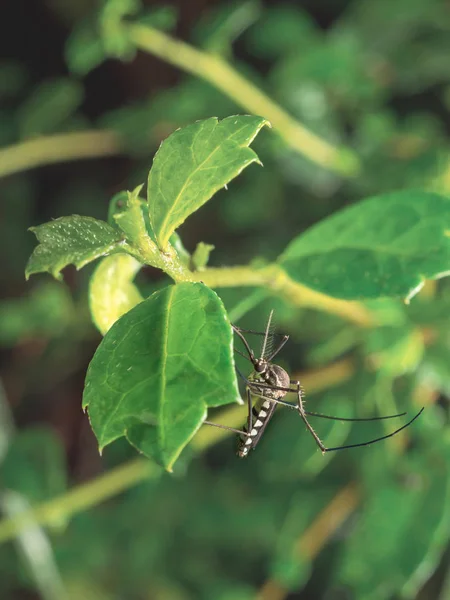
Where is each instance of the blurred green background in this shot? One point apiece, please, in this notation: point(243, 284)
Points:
point(370, 524)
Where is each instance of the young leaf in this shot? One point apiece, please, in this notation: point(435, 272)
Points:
point(384, 246)
point(156, 371)
point(193, 164)
point(70, 240)
point(112, 292)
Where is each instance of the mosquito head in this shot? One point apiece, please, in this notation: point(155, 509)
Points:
point(260, 365)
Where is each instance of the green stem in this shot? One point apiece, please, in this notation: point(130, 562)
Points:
point(213, 69)
point(56, 148)
point(225, 78)
point(62, 508)
point(272, 277)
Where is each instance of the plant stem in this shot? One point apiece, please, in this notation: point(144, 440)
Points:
point(213, 69)
point(60, 509)
point(56, 148)
point(225, 78)
point(275, 279)
point(315, 537)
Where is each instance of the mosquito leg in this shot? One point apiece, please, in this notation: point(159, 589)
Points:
point(301, 411)
point(244, 341)
point(278, 348)
point(239, 431)
point(250, 412)
point(249, 419)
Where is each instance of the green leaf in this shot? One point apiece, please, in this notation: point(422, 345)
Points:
point(35, 465)
point(49, 107)
point(384, 246)
point(193, 164)
point(70, 240)
point(84, 48)
point(201, 255)
point(111, 291)
point(46, 312)
point(158, 369)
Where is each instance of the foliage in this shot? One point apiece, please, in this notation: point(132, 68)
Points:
point(344, 232)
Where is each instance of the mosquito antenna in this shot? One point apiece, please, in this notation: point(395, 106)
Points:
point(264, 345)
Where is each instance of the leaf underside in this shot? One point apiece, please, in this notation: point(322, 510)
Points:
point(112, 292)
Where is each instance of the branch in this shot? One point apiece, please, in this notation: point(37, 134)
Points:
point(315, 537)
point(56, 148)
point(276, 280)
point(225, 78)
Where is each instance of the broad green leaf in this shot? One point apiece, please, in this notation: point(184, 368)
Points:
point(112, 292)
point(70, 240)
point(158, 369)
point(384, 246)
point(193, 164)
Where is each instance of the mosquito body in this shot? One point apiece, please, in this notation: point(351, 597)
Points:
point(269, 384)
point(275, 378)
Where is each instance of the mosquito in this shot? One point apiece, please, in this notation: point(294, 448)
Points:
point(269, 384)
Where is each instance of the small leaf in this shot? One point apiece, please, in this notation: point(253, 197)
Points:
point(201, 255)
point(84, 48)
point(70, 240)
point(117, 205)
point(158, 369)
point(193, 164)
point(384, 246)
point(111, 291)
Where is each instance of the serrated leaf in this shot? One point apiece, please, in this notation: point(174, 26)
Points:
point(112, 292)
point(158, 369)
point(384, 246)
point(70, 240)
point(193, 164)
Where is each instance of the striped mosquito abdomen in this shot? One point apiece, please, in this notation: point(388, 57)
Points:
point(261, 416)
point(263, 411)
